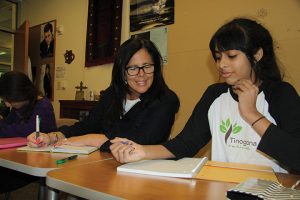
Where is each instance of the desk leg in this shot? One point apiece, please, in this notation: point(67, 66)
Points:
point(52, 194)
point(42, 190)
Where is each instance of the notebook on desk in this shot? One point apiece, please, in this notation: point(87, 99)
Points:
point(235, 172)
point(183, 168)
point(62, 149)
point(12, 142)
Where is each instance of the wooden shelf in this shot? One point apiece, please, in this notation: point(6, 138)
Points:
point(75, 109)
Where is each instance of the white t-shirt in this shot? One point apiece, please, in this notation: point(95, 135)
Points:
point(128, 104)
point(233, 139)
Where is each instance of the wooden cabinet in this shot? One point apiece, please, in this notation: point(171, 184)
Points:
point(75, 109)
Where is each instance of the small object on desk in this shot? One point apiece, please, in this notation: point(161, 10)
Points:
point(37, 127)
point(61, 161)
point(12, 142)
point(257, 189)
point(182, 168)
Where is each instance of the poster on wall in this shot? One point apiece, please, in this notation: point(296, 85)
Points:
point(145, 14)
point(47, 40)
point(42, 57)
point(159, 36)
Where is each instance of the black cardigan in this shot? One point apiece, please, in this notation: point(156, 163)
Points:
point(144, 124)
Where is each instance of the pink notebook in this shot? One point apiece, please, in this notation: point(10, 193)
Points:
point(12, 142)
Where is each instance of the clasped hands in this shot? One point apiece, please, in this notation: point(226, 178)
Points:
point(125, 150)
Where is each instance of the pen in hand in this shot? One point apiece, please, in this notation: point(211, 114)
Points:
point(61, 161)
point(37, 126)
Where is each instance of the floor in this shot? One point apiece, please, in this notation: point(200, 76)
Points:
point(29, 192)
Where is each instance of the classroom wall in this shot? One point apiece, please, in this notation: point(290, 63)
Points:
point(190, 68)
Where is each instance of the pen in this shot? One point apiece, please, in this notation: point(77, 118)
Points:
point(123, 142)
point(37, 126)
point(61, 161)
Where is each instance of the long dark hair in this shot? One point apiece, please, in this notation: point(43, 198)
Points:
point(248, 36)
point(118, 83)
point(17, 87)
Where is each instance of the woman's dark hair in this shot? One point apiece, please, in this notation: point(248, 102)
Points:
point(17, 87)
point(118, 83)
point(248, 36)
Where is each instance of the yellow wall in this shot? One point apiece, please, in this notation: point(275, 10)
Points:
point(190, 68)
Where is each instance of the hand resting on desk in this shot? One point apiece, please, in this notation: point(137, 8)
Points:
point(125, 150)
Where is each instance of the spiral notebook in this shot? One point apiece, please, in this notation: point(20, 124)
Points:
point(259, 189)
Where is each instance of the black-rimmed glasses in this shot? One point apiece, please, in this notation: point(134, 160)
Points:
point(135, 70)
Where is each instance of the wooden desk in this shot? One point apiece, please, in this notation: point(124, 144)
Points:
point(75, 109)
point(101, 180)
point(40, 163)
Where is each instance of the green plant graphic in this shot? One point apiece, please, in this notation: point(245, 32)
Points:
point(226, 127)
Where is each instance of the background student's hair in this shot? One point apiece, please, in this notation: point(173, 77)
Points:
point(119, 83)
point(17, 87)
point(248, 36)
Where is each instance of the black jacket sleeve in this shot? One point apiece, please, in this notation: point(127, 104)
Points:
point(93, 122)
point(196, 133)
point(282, 141)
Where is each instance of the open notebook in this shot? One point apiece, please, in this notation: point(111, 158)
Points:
point(62, 149)
point(12, 142)
point(183, 168)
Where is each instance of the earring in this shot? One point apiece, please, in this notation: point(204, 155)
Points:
point(125, 82)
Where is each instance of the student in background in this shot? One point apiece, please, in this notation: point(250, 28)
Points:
point(253, 117)
point(137, 105)
point(20, 95)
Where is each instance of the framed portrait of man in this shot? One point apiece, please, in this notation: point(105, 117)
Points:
point(42, 57)
point(47, 40)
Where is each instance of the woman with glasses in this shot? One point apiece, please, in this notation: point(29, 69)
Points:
point(137, 105)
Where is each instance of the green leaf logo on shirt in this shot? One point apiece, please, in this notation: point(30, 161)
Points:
point(227, 128)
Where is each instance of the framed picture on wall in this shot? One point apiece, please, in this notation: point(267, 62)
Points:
point(42, 57)
point(47, 40)
point(150, 14)
point(159, 36)
point(103, 31)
